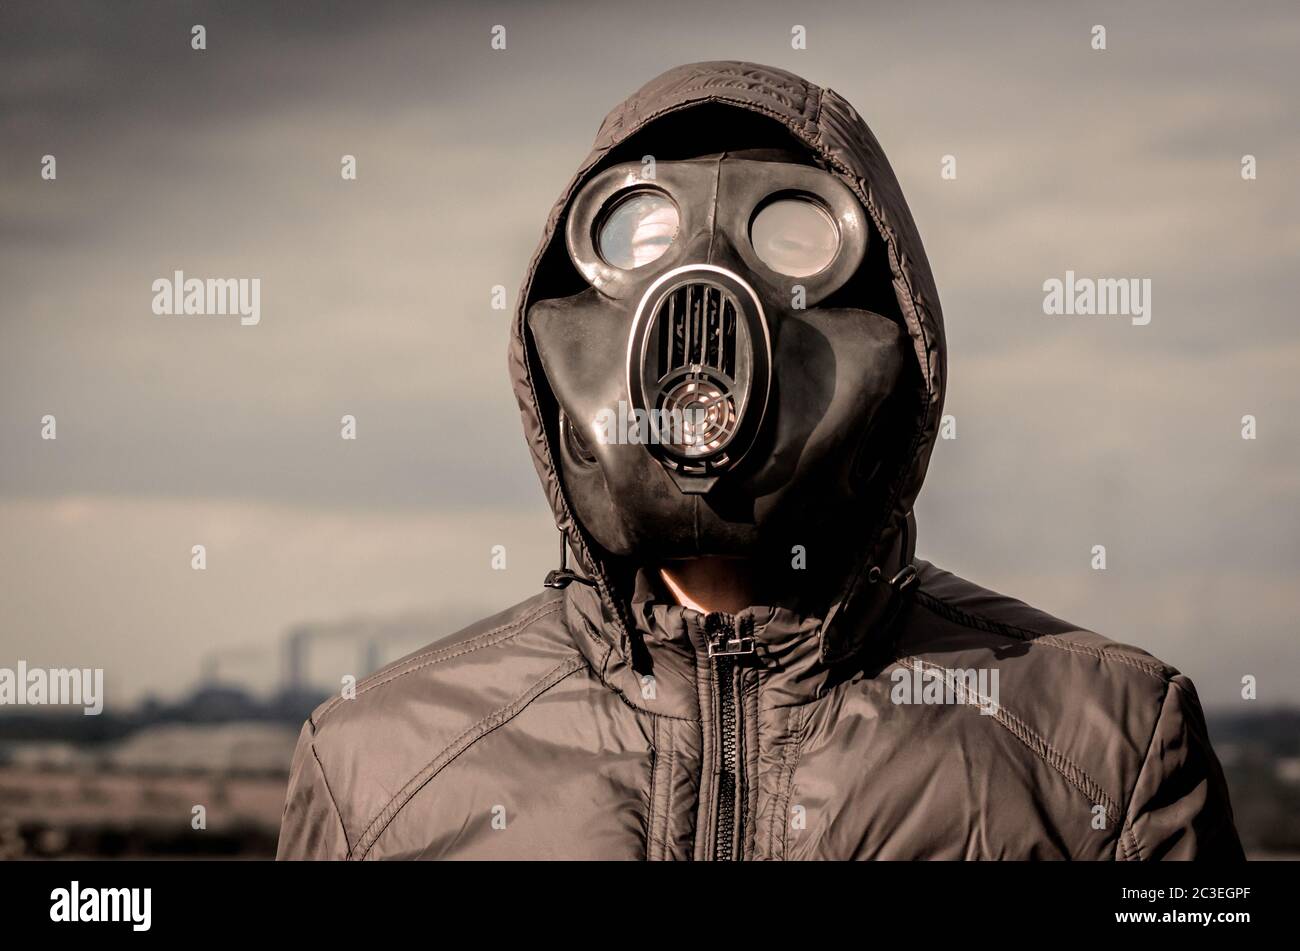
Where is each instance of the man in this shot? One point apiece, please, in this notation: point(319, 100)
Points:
point(729, 359)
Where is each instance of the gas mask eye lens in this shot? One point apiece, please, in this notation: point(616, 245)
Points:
point(794, 236)
point(637, 230)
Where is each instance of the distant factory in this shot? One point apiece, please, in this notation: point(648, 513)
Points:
point(221, 696)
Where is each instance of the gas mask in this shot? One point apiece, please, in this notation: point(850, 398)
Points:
point(710, 401)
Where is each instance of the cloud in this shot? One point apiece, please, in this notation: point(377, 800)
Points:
point(375, 298)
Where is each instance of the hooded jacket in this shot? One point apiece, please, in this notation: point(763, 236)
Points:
point(914, 715)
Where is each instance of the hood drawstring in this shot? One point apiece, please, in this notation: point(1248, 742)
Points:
point(902, 585)
point(562, 577)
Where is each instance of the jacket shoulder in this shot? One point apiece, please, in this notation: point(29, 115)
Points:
point(1121, 732)
point(957, 614)
point(366, 754)
point(475, 658)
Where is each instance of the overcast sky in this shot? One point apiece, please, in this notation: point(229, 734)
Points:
point(1072, 432)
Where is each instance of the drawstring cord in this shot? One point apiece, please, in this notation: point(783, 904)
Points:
point(562, 576)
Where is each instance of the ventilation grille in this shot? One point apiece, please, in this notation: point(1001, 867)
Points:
point(697, 327)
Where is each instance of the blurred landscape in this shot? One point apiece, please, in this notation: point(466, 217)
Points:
point(126, 785)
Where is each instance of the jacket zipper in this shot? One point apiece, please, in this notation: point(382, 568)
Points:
point(725, 645)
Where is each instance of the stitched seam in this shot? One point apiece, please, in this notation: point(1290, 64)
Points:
point(651, 818)
point(780, 781)
point(733, 89)
point(333, 801)
point(782, 788)
point(479, 640)
point(1132, 848)
point(375, 828)
point(800, 737)
point(477, 637)
point(456, 650)
point(618, 692)
point(607, 651)
point(1035, 742)
point(668, 800)
point(472, 734)
point(632, 706)
point(789, 790)
point(506, 631)
point(662, 820)
point(965, 618)
point(952, 613)
point(1102, 653)
point(751, 781)
point(1127, 829)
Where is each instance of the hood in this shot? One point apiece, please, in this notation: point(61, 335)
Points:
point(827, 127)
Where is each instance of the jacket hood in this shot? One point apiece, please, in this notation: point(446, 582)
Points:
point(827, 127)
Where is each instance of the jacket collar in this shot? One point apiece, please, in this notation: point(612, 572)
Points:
point(656, 655)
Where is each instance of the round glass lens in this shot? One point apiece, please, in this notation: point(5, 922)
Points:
point(637, 230)
point(794, 236)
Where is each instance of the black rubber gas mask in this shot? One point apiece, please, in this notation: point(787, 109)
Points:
point(707, 404)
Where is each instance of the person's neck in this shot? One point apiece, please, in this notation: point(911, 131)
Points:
point(712, 584)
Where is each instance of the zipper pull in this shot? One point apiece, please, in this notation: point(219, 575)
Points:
point(724, 641)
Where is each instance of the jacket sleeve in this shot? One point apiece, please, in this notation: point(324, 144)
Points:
point(1179, 807)
point(311, 827)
